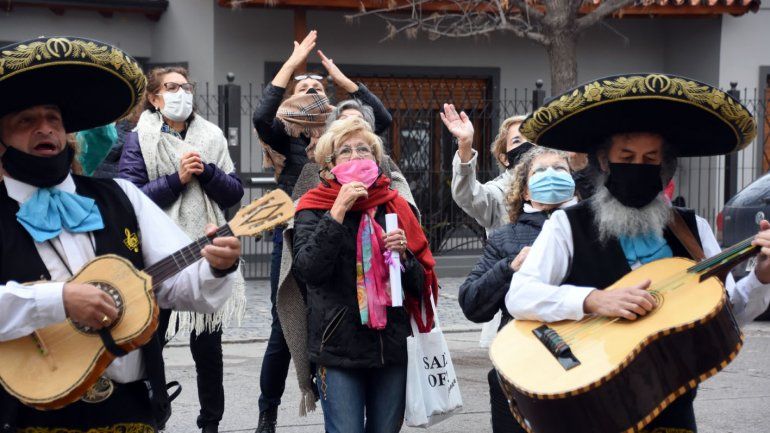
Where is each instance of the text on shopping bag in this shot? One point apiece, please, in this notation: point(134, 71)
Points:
point(439, 377)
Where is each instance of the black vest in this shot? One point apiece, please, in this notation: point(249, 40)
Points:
point(600, 264)
point(20, 261)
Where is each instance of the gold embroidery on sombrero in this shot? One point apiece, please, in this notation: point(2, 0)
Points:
point(667, 430)
point(703, 96)
point(62, 49)
point(117, 428)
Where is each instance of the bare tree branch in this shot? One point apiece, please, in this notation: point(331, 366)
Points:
point(532, 14)
point(606, 7)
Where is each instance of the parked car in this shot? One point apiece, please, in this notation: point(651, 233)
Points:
point(740, 220)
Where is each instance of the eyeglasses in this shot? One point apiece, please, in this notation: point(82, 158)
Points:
point(174, 87)
point(306, 76)
point(347, 151)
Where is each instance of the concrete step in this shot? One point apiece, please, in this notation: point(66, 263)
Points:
point(456, 266)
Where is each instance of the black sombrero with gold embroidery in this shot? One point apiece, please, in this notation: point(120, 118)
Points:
point(695, 118)
point(92, 83)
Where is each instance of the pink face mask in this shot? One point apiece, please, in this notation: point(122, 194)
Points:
point(357, 170)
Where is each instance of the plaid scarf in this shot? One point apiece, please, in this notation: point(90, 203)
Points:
point(305, 114)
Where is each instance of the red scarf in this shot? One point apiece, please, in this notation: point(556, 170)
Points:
point(322, 197)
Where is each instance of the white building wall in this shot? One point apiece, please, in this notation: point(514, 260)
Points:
point(745, 47)
point(185, 33)
point(131, 32)
point(247, 38)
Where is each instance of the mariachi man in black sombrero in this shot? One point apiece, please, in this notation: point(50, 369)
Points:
point(53, 221)
point(633, 127)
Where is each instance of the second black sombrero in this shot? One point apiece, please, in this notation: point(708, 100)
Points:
point(695, 118)
point(91, 82)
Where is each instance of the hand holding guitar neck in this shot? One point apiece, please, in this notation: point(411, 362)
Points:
point(223, 252)
point(762, 270)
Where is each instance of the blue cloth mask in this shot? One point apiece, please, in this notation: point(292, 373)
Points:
point(49, 210)
point(551, 186)
point(644, 248)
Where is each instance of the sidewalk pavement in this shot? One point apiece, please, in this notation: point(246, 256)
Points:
point(736, 400)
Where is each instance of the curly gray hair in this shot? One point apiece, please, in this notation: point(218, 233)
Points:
point(366, 111)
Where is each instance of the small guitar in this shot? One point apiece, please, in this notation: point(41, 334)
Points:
point(613, 375)
point(56, 365)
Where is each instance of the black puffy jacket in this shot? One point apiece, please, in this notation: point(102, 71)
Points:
point(272, 131)
point(483, 292)
point(325, 261)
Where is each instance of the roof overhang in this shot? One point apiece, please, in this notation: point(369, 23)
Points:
point(152, 9)
point(673, 8)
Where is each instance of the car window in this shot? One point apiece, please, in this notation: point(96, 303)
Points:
point(758, 192)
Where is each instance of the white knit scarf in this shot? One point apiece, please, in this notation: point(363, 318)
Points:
point(193, 209)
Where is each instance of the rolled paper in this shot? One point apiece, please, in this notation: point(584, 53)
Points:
point(394, 264)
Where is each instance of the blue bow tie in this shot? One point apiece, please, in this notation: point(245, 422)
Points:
point(644, 248)
point(49, 210)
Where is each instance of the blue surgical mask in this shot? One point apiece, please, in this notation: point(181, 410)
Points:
point(551, 186)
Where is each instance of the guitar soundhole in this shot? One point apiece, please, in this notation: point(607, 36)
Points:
point(116, 297)
point(658, 300)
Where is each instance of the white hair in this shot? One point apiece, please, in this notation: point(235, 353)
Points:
point(613, 219)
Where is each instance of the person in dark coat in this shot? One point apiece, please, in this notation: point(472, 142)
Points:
point(356, 337)
point(182, 162)
point(541, 184)
point(292, 114)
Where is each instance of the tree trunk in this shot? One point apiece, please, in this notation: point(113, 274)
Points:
point(562, 54)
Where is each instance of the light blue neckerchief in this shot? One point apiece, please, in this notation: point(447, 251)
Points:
point(50, 210)
point(644, 248)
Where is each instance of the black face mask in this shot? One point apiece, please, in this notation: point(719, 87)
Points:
point(515, 154)
point(40, 171)
point(634, 185)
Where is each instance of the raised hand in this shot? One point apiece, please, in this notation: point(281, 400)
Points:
point(461, 127)
point(339, 78)
point(302, 49)
point(295, 60)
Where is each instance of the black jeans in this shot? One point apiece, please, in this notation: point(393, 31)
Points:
point(206, 350)
point(502, 419)
point(275, 363)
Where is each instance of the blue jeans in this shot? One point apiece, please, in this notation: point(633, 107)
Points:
point(366, 400)
point(275, 364)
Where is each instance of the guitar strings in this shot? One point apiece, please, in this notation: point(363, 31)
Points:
point(580, 331)
point(576, 326)
point(165, 266)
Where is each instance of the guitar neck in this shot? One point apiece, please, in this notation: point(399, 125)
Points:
point(173, 264)
point(726, 260)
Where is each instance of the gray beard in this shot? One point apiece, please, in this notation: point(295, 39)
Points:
point(613, 219)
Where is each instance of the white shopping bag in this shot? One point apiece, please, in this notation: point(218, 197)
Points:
point(432, 390)
point(489, 330)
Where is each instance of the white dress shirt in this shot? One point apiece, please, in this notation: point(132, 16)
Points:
point(25, 308)
point(536, 292)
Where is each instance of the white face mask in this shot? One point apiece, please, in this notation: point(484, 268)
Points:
point(178, 106)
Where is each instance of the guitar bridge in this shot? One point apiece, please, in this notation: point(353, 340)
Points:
point(557, 346)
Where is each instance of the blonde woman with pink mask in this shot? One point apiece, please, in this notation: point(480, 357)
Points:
point(356, 338)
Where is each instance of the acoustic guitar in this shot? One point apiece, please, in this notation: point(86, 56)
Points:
point(56, 365)
point(611, 375)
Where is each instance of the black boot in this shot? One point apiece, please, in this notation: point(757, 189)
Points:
point(210, 428)
point(267, 421)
